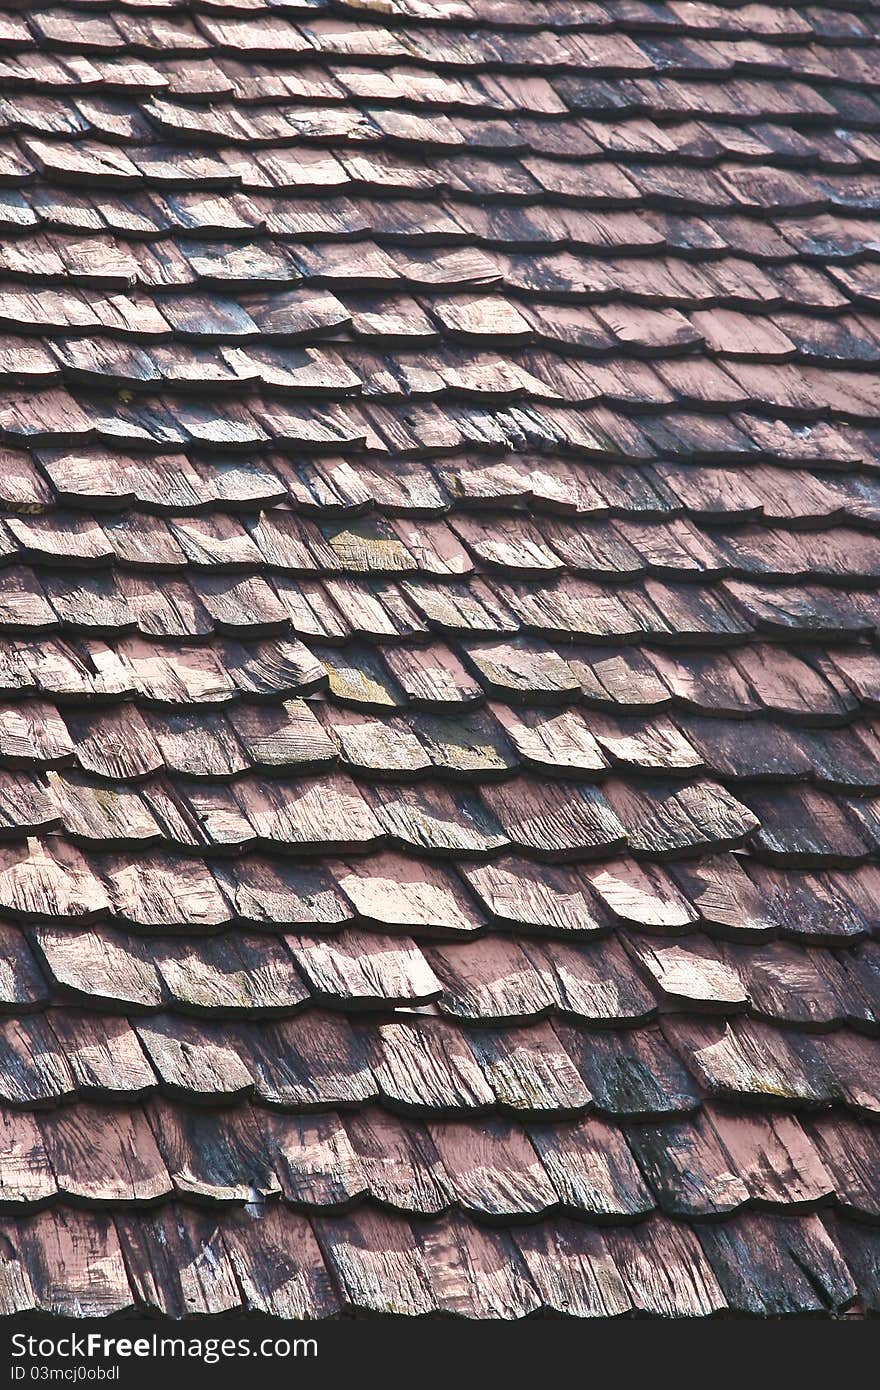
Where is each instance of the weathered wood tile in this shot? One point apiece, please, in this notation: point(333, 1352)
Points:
point(177, 1262)
point(74, 1264)
point(104, 1156)
point(210, 1155)
point(356, 969)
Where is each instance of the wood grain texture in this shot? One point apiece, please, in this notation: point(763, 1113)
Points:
point(630, 1074)
point(357, 969)
point(530, 1071)
point(516, 894)
point(311, 1062)
point(106, 967)
point(400, 1162)
point(211, 1156)
point(573, 1270)
point(278, 1265)
point(177, 1262)
point(376, 1264)
point(665, 1271)
point(101, 1156)
point(194, 1060)
point(439, 697)
point(231, 975)
point(392, 890)
point(492, 1169)
point(75, 1265)
point(799, 1268)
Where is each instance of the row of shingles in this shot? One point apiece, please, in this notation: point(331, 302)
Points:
point(55, 416)
point(696, 359)
point(473, 367)
point(797, 389)
point(707, 177)
point(260, 166)
point(269, 35)
point(542, 645)
point(49, 882)
point(390, 218)
point(472, 362)
point(835, 23)
point(375, 303)
point(802, 391)
point(139, 194)
point(692, 815)
point(785, 24)
point(125, 745)
point(750, 192)
point(425, 1065)
point(424, 556)
point(417, 895)
point(409, 578)
point(209, 289)
point(782, 496)
point(633, 530)
point(471, 377)
point(595, 433)
point(469, 86)
point(178, 678)
point(507, 111)
point(718, 1162)
point(740, 168)
point(500, 980)
point(516, 224)
point(445, 734)
point(612, 55)
point(328, 1161)
point(182, 1262)
point(497, 981)
point(514, 114)
point(631, 549)
point(455, 371)
point(331, 813)
point(622, 981)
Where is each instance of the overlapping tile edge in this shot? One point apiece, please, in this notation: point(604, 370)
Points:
point(439, 560)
